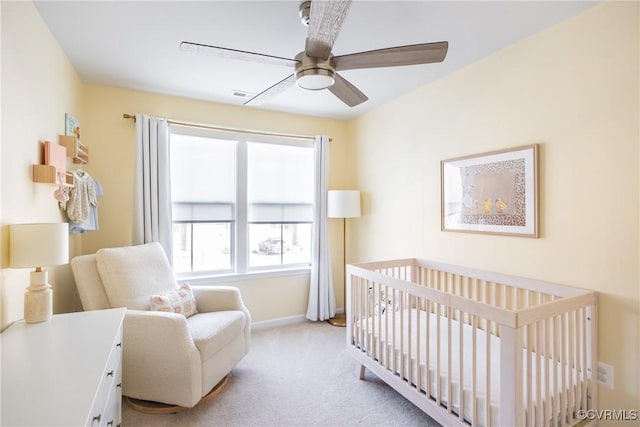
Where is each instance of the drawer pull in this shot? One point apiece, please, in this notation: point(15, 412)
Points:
point(96, 418)
point(110, 423)
point(110, 374)
point(118, 385)
point(119, 345)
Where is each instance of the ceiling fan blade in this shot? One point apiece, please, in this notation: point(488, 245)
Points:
point(273, 91)
point(223, 52)
point(325, 22)
point(348, 93)
point(425, 53)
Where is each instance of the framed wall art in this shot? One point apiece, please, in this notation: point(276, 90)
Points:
point(71, 126)
point(495, 192)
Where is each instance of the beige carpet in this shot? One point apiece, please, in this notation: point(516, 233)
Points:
point(297, 375)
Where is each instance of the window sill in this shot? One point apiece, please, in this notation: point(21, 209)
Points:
point(241, 277)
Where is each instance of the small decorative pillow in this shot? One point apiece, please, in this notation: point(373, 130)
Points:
point(179, 301)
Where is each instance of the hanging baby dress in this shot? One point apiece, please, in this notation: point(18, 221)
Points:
point(82, 207)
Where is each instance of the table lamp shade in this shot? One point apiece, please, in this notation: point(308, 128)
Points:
point(343, 204)
point(38, 245)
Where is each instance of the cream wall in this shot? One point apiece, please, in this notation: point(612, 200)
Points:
point(111, 140)
point(574, 90)
point(38, 87)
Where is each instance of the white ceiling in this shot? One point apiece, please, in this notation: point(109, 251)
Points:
point(135, 44)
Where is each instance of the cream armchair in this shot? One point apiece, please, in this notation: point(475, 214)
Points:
point(167, 357)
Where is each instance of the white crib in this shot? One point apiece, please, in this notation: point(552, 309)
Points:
point(471, 347)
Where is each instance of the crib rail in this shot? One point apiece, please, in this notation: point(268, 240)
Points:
point(478, 347)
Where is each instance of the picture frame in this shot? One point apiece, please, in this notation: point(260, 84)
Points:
point(493, 193)
point(71, 126)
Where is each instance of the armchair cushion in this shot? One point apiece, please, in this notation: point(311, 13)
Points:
point(132, 274)
point(211, 332)
point(179, 301)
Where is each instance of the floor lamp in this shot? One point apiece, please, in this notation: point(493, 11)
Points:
point(343, 204)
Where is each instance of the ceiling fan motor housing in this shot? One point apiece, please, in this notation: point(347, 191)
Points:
point(314, 73)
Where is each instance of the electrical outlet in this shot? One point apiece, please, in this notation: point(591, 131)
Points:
point(605, 375)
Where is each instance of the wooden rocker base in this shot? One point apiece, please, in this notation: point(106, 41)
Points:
point(156, 408)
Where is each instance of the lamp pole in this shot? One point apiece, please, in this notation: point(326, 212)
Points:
point(340, 319)
point(343, 204)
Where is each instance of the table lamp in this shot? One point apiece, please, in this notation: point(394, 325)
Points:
point(38, 245)
point(343, 204)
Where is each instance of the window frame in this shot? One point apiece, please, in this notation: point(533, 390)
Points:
point(239, 240)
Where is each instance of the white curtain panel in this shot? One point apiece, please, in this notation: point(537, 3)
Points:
point(322, 300)
point(152, 192)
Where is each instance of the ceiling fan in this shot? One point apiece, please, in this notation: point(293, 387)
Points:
point(316, 68)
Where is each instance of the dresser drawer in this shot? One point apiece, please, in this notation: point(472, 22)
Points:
point(104, 412)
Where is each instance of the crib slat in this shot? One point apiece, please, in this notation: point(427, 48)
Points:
point(438, 343)
point(583, 359)
point(572, 366)
point(474, 369)
point(487, 403)
point(409, 347)
point(582, 362)
point(563, 370)
point(379, 310)
point(539, 376)
point(556, 397)
point(449, 362)
point(504, 297)
point(529, 379)
point(593, 354)
point(548, 359)
point(384, 322)
point(461, 324)
point(418, 345)
point(573, 372)
point(367, 303)
point(394, 331)
point(401, 355)
point(358, 325)
point(428, 341)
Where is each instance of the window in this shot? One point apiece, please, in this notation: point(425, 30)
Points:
point(240, 203)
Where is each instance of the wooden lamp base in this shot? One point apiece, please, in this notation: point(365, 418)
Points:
point(156, 408)
point(339, 319)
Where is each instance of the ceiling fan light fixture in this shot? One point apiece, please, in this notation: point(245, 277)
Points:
point(315, 79)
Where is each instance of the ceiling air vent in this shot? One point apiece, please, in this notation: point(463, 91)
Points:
point(239, 93)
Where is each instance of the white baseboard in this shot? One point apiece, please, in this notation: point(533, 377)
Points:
point(274, 323)
point(283, 321)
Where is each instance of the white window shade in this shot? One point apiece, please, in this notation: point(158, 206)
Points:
point(203, 178)
point(279, 183)
point(203, 211)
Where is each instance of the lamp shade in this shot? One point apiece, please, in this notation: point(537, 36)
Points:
point(38, 245)
point(343, 203)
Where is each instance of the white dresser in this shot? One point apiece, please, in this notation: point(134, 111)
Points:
point(63, 372)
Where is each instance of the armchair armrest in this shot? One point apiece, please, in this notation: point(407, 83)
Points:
point(221, 298)
point(218, 298)
point(158, 353)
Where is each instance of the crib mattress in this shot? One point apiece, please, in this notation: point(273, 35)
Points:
point(386, 344)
